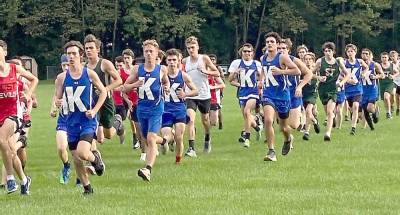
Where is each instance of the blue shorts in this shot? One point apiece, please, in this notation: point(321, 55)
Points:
point(150, 123)
point(171, 118)
point(369, 98)
point(243, 101)
point(295, 102)
point(61, 123)
point(341, 97)
point(78, 132)
point(280, 106)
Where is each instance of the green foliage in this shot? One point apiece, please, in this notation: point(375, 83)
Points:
point(40, 27)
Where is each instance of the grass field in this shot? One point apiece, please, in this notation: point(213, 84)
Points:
point(349, 175)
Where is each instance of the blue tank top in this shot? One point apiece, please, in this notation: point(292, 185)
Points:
point(172, 102)
point(370, 85)
point(248, 80)
point(355, 73)
point(275, 86)
point(293, 80)
point(78, 94)
point(150, 94)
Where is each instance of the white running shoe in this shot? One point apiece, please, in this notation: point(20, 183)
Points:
point(246, 143)
point(144, 173)
point(191, 153)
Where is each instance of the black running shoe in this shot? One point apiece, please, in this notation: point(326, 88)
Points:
point(98, 163)
point(334, 122)
point(306, 136)
point(242, 137)
point(375, 118)
point(327, 138)
point(287, 145)
point(88, 192)
point(388, 116)
point(353, 131)
point(317, 129)
point(397, 112)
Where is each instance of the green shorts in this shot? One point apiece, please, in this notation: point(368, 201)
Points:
point(106, 113)
point(388, 88)
point(310, 99)
point(326, 96)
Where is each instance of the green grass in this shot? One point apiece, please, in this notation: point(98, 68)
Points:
point(350, 175)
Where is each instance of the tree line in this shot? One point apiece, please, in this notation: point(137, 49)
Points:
point(39, 28)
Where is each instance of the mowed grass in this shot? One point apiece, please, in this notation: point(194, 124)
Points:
point(350, 175)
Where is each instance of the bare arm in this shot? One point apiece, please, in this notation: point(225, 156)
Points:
point(233, 79)
point(291, 67)
point(219, 84)
point(31, 78)
point(307, 74)
point(210, 69)
point(132, 81)
point(378, 71)
point(165, 79)
point(189, 83)
point(110, 69)
point(342, 67)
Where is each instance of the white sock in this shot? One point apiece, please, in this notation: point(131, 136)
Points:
point(24, 180)
point(10, 177)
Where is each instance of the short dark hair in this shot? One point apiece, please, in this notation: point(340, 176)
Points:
point(171, 52)
point(119, 59)
point(3, 44)
point(366, 50)
point(213, 56)
point(275, 35)
point(91, 38)
point(329, 45)
point(76, 44)
point(128, 52)
point(384, 53)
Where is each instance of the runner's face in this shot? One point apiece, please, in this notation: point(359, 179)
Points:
point(351, 53)
point(150, 53)
point(282, 48)
point(384, 58)
point(64, 67)
point(328, 53)
point(192, 48)
point(91, 49)
point(172, 61)
point(213, 60)
point(271, 44)
point(394, 57)
point(73, 55)
point(308, 60)
point(247, 53)
point(365, 55)
point(3, 53)
point(301, 53)
point(128, 60)
point(119, 65)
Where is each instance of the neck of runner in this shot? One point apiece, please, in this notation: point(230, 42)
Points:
point(149, 66)
point(272, 53)
point(173, 71)
point(195, 56)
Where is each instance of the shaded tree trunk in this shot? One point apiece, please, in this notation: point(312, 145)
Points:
point(115, 27)
point(260, 25)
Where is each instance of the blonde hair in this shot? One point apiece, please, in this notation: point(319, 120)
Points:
point(310, 54)
point(191, 40)
point(351, 46)
point(150, 42)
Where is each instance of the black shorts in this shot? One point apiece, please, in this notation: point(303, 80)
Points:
point(352, 99)
point(86, 137)
point(398, 90)
point(215, 107)
point(121, 110)
point(204, 105)
point(133, 115)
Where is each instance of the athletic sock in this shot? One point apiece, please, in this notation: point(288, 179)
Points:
point(66, 164)
point(134, 137)
point(207, 137)
point(368, 119)
point(148, 167)
point(247, 135)
point(10, 177)
point(24, 180)
point(191, 144)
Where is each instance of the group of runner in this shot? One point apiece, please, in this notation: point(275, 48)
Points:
point(160, 97)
